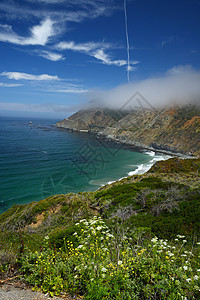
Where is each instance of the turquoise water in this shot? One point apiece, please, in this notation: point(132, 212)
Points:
point(38, 160)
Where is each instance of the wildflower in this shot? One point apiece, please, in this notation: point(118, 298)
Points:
point(80, 246)
point(196, 277)
point(99, 228)
point(120, 262)
point(104, 270)
point(180, 236)
point(184, 241)
point(183, 255)
point(185, 268)
point(155, 239)
point(75, 233)
point(170, 253)
point(198, 243)
point(198, 270)
point(188, 279)
point(110, 235)
point(167, 257)
point(176, 240)
point(46, 237)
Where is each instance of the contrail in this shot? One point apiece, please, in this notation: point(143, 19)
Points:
point(127, 42)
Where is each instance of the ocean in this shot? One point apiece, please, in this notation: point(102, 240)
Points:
point(38, 160)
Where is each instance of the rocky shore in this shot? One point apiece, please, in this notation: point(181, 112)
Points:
point(172, 131)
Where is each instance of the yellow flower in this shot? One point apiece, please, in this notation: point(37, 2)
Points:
point(167, 257)
point(139, 253)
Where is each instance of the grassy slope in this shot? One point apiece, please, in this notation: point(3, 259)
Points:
point(165, 201)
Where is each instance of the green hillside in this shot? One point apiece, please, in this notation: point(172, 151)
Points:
point(62, 243)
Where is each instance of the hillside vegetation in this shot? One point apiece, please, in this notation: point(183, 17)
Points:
point(175, 128)
point(134, 239)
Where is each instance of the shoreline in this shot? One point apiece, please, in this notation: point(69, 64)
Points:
point(130, 145)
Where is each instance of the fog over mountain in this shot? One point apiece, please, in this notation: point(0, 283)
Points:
point(179, 85)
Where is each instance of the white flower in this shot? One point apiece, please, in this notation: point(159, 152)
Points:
point(105, 249)
point(180, 236)
point(196, 277)
point(120, 262)
point(104, 270)
point(188, 279)
point(185, 268)
point(110, 235)
point(46, 237)
point(76, 276)
point(170, 253)
point(176, 240)
point(80, 246)
point(184, 241)
point(198, 270)
point(154, 240)
point(77, 224)
point(183, 255)
point(99, 228)
point(75, 233)
point(198, 243)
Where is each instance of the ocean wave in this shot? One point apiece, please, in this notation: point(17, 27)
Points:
point(143, 168)
point(151, 153)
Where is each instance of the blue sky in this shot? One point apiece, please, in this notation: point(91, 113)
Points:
point(55, 54)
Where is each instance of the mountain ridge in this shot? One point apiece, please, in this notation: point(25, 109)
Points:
point(175, 129)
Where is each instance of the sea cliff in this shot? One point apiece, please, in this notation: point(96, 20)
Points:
point(175, 129)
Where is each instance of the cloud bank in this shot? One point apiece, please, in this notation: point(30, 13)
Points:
point(179, 85)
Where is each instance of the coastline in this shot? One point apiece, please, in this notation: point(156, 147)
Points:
point(111, 141)
point(130, 145)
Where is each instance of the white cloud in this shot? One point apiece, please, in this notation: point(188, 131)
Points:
point(51, 55)
point(67, 10)
point(105, 59)
point(40, 34)
point(82, 47)
point(178, 85)
point(2, 84)
point(71, 91)
point(25, 76)
point(96, 50)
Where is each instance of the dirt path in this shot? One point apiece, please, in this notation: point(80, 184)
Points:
point(18, 291)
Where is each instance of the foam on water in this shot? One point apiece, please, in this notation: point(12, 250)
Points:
point(143, 168)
